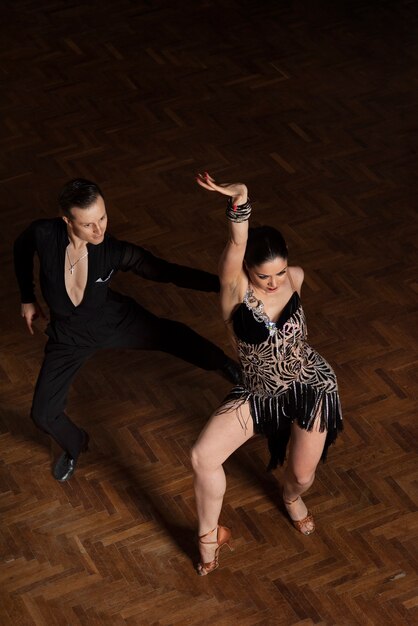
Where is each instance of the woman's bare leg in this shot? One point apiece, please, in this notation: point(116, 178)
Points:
point(222, 435)
point(305, 450)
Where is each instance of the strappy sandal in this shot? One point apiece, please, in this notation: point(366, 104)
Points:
point(299, 524)
point(223, 537)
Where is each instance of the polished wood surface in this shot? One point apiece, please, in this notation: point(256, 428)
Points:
point(313, 105)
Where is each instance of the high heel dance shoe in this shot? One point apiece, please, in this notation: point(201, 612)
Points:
point(223, 537)
point(300, 524)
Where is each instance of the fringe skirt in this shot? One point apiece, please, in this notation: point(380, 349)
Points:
point(273, 415)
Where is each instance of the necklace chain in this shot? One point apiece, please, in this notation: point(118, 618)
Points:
point(72, 265)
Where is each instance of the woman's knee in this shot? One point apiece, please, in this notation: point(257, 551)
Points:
point(201, 460)
point(303, 478)
point(195, 457)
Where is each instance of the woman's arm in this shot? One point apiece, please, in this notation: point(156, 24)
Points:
point(232, 258)
point(231, 262)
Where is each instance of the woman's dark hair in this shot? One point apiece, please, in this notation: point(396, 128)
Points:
point(80, 193)
point(265, 243)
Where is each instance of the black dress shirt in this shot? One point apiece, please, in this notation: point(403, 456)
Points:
point(49, 239)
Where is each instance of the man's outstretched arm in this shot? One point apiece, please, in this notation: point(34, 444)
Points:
point(140, 261)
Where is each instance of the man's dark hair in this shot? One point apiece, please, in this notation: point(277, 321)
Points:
point(78, 193)
point(265, 243)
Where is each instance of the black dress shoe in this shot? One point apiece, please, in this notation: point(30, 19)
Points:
point(231, 371)
point(65, 466)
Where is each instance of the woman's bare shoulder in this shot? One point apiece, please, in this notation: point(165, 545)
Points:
point(298, 275)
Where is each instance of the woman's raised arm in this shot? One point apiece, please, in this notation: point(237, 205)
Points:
point(231, 262)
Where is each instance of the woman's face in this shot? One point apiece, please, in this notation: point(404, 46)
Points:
point(269, 276)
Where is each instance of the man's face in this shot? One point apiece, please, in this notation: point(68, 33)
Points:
point(88, 224)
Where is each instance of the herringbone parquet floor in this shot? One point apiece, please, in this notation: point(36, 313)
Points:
point(314, 105)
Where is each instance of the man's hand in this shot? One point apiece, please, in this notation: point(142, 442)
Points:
point(31, 311)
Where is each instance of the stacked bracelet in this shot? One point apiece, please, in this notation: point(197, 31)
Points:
point(238, 212)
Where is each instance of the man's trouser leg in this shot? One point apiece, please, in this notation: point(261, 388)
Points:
point(149, 332)
point(60, 365)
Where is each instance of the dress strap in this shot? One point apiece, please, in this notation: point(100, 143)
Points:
point(290, 279)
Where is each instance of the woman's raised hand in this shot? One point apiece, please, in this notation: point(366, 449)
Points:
point(237, 191)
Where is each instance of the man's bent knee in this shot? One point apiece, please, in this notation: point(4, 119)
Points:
point(41, 420)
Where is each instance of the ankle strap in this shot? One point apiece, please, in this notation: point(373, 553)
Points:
point(289, 501)
point(206, 534)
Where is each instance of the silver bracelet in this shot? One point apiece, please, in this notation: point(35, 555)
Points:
point(238, 212)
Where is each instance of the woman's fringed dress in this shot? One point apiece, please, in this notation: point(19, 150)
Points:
point(284, 379)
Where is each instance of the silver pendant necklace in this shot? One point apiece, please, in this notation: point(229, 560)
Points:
point(72, 265)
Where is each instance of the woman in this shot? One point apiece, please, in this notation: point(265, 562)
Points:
point(288, 390)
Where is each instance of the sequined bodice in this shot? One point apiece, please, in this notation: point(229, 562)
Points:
point(257, 309)
point(274, 355)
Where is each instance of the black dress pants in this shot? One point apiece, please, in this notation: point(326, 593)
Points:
point(142, 331)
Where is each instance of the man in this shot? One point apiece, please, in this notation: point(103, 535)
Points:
point(77, 261)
